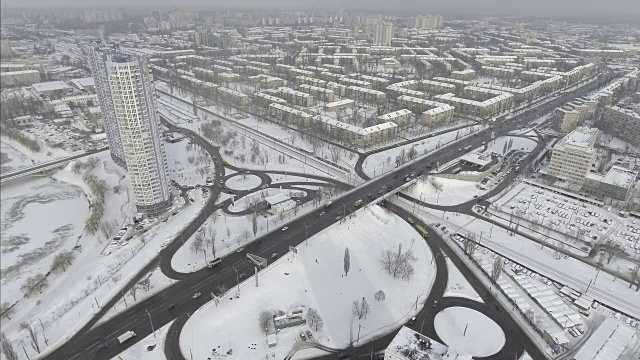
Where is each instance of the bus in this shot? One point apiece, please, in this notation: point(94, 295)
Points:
point(358, 203)
point(422, 231)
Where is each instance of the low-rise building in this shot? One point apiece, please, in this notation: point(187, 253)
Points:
point(574, 157)
point(402, 118)
point(354, 135)
point(290, 116)
point(52, 89)
point(366, 95)
point(19, 78)
point(567, 119)
point(617, 183)
point(317, 92)
point(339, 105)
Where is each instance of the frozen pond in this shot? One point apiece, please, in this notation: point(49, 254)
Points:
point(39, 217)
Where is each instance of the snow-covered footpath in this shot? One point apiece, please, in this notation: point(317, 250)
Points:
point(315, 278)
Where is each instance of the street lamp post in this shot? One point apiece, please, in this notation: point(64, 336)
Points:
point(237, 279)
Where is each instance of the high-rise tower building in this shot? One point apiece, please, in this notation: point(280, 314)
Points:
point(127, 100)
point(383, 33)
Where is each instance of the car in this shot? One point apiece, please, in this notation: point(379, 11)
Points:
point(102, 347)
point(240, 249)
point(435, 303)
point(322, 213)
point(285, 228)
point(412, 321)
point(338, 217)
point(443, 228)
point(196, 295)
point(242, 275)
point(436, 225)
point(303, 336)
point(370, 195)
point(171, 307)
point(274, 255)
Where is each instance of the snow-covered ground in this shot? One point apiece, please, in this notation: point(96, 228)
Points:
point(188, 163)
point(613, 142)
point(385, 161)
point(314, 278)
point(469, 332)
point(458, 286)
point(11, 159)
point(454, 192)
point(517, 143)
point(149, 348)
point(243, 182)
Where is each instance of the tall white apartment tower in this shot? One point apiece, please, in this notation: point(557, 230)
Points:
point(383, 33)
point(127, 100)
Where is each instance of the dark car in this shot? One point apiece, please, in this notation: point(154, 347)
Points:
point(171, 307)
point(344, 356)
point(102, 347)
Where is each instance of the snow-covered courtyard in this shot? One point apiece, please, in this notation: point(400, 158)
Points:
point(315, 278)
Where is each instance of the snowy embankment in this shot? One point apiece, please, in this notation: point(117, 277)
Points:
point(385, 161)
point(149, 348)
point(315, 278)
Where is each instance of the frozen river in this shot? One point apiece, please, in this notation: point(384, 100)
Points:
point(40, 216)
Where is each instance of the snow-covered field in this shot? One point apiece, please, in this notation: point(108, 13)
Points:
point(469, 332)
point(454, 192)
point(314, 278)
point(243, 182)
point(385, 161)
point(188, 164)
point(458, 286)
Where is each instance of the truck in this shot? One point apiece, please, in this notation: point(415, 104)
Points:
point(358, 203)
point(126, 336)
point(214, 262)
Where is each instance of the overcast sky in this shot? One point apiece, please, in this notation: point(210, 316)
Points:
point(479, 7)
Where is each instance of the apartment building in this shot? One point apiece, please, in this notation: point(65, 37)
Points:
point(127, 99)
point(621, 122)
point(574, 156)
point(566, 119)
point(295, 97)
point(383, 33)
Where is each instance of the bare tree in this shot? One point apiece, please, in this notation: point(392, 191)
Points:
point(33, 335)
point(265, 321)
point(212, 242)
point(134, 291)
point(398, 263)
point(435, 183)
point(412, 153)
point(347, 261)
point(314, 319)
point(197, 244)
point(61, 261)
point(497, 268)
point(356, 309)
point(469, 244)
point(364, 305)
point(245, 235)
point(7, 348)
point(221, 290)
point(6, 310)
point(254, 223)
point(379, 295)
point(37, 282)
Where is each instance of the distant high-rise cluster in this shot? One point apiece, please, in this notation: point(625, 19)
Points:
point(427, 22)
point(126, 96)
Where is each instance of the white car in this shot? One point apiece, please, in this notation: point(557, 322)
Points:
point(285, 228)
point(196, 295)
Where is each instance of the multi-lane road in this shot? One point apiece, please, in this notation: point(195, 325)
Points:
point(139, 317)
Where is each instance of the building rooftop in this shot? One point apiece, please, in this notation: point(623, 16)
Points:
point(582, 137)
point(50, 86)
point(620, 176)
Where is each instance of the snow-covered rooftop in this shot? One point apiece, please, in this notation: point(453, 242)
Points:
point(582, 136)
point(50, 86)
point(620, 176)
point(411, 345)
point(607, 342)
